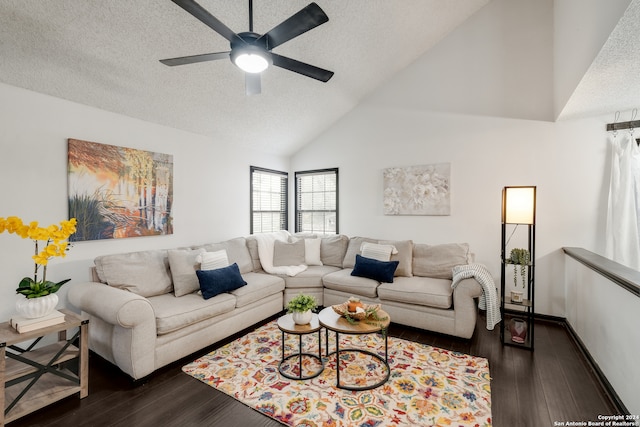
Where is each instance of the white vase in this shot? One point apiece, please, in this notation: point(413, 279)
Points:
point(302, 317)
point(33, 308)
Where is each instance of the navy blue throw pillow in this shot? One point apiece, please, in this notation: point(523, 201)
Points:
point(382, 271)
point(220, 280)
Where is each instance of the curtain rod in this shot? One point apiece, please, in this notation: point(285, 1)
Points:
point(623, 125)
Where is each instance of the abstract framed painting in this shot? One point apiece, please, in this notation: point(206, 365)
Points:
point(417, 190)
point(118, 192)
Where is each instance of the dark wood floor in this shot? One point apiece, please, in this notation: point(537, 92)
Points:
point(553, 383)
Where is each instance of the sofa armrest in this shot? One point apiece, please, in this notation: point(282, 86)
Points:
point(467, 288)
point(466, 307)
point(122, 326)
point(113, 305)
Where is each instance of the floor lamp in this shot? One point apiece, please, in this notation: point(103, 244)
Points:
point(518, 208)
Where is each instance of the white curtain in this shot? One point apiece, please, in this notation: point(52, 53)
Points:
point(623, 241)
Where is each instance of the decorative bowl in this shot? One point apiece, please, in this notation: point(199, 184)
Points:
point(342, 310)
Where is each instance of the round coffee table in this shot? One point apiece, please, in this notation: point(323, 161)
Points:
point(332, 321)
point(288, 326)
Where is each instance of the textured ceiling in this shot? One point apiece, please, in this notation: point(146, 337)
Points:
point(105, 54)
point(612, 82)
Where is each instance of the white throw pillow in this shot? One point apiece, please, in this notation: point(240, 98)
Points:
point(213, 260)
point(312, 251)
point(377, 251)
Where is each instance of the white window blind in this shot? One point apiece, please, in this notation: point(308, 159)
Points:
point(269, 208)
point(317, 201)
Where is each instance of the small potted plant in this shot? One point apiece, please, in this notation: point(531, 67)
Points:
point(520, 258)
point(301, 307)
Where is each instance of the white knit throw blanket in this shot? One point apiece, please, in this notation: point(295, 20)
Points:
point(489, 298)
point(265, 250)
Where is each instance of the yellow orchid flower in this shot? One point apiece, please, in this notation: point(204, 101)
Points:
point(69, 227)
point(41, 258)
point(23, 231)
point(13, 223)
point(52, 229)
point(51, 249)
point(63, 246)
point(40, 234)
point(33, 230)
point(55, 237)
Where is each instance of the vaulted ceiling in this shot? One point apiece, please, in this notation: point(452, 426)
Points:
point(106, 54)
point(612, 81)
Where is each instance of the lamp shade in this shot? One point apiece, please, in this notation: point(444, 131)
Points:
point(251, 62)
point(519, 205)
point(250, 58)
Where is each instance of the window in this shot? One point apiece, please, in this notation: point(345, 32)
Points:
point(269, 195)
point(317, 201)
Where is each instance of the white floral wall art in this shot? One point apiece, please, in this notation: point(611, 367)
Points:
point(417, 190)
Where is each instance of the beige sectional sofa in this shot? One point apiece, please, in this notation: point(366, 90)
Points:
point(146, 311)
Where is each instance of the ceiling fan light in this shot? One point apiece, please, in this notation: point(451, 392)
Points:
point(251, 62)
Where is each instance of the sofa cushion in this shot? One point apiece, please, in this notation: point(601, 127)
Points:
point(220, 280)
point(382, 271)
point(288, 253)
point(438, 260)
point(355, 243)
point(145, 273)
point(333, 249)
point(425, 291)
point(252, 245)
point(342, 280)
point(237, 252)
point(259, 286)
point(404, 256)
point(176, 313)
point(310, 278)
point(183, 264)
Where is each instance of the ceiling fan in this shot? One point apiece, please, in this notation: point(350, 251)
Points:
point(250, 51)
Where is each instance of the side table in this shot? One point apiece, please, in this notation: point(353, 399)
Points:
point(32, 378)
point(288, 326)
point(332, 321)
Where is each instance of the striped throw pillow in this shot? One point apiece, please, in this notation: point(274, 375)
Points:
point(213, 260)
point(377, 251)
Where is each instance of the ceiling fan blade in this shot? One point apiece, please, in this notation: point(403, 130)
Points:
point(301, 68)
point(299, 23)
point(252, 83)
point(208, 19)
point(183, 60)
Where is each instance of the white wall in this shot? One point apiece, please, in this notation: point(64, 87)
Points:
point(211, 182)
point(606, 318)
point(567, 161)
point(497, 63)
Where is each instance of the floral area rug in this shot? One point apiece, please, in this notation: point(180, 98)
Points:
point(428, 386)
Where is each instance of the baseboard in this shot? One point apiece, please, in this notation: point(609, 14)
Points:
point(600, 376)
point(549, 318)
